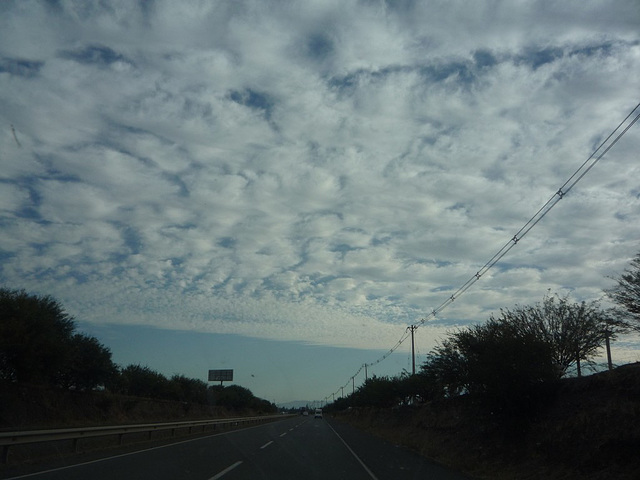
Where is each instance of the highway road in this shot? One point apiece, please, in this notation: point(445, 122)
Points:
point(293, 448)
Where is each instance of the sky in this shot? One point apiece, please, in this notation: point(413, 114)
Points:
point(283, 187)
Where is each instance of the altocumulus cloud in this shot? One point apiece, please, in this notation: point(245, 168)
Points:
point(318, 171)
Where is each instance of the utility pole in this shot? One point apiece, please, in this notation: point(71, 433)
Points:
point(366, 377)
point(413, 349)
point(608, 345)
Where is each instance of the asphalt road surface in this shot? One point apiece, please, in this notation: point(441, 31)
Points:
point(293, 448)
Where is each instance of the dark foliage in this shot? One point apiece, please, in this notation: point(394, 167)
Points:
point(385, 392)
point(237, 398)
point(377, 392)
point(189, 389)
point(574, 331)
point(503, 362)
point(88, 364)
point(508, 364)
point(494, 363)
point(141, 381)
point(38, 345)
point(627, 291)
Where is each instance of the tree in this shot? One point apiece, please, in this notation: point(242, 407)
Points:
point(377, 392)
point(575, 331)
point(495, 363)
point(412, 388)
point(446, 369)
point(140, 381)
point(627, 291)
point(38, 345)
point(34, 335)
point(88, 365)
point(190, 389)
point(233, 397)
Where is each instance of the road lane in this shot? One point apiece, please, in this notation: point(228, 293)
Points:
point(392, 462)
point(199, 458)
point(297, 447)
point(310, 451)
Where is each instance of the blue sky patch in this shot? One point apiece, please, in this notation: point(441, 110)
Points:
point(537, 58)
point(319, 46)
point(20, 67)
point(253, 99)
point(94, 54)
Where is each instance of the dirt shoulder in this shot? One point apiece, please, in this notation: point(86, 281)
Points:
point(589, 428)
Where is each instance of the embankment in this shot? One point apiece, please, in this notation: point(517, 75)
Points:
point(588, 428)
point(26, 407)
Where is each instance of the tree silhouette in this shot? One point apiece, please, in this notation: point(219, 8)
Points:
point(38, 345)
point(88, 364)
point(574, 331)
point(34, 336)
point(627, 292)
point(493, 362)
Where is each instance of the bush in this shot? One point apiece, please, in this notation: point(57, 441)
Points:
point(494, 363)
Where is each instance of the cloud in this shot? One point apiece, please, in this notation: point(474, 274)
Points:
point(327, 172)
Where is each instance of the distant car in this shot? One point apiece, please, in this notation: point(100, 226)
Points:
point(318, 413)
point(305, 413)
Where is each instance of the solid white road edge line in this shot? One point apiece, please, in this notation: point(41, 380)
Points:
point(226, 470)
point(354, 454)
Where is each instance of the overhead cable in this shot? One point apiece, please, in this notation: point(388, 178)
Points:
point(560, 193)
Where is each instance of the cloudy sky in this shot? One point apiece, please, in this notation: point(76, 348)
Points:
point(283, 187)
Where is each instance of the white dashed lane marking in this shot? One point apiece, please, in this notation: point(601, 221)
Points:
point(225, 471)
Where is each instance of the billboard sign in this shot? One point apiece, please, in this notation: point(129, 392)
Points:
point(221, 375)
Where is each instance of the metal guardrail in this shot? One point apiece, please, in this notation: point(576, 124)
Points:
point(8, 439)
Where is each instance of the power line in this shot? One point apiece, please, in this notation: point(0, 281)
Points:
point(586, 166)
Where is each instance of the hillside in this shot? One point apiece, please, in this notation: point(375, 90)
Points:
point(589, 428)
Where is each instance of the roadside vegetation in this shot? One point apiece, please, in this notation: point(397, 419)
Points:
point(502, 362)
point(41, 350)
point(507, 396)
point(504, 398)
